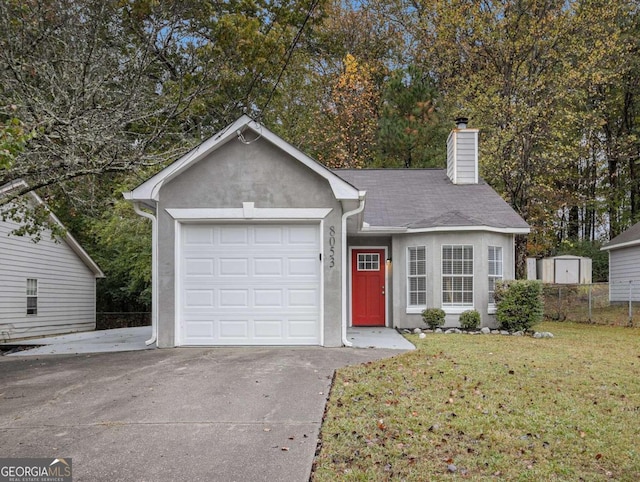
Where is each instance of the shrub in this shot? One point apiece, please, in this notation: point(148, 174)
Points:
point(433, 317)
point(519, 304)
point(470, 320)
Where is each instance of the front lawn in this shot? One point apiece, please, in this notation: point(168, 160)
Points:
point(490, 406)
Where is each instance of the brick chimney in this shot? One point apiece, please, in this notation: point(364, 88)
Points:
point(462, 153)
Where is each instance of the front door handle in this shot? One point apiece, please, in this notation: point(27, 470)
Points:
point(383, 291)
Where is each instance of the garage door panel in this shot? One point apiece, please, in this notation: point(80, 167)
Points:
point(229, 298)
point(198, 298)
point(233, 267)
point(268, 235)
point(250, 284)
point(199, 267)
point(268, 298)
point(233, 329)
point(268, 329)
point(198, 236)
point(304, 267)
point(301, 329)
point(268, 266)
point(233, 236)
point(302, 236)
point(303, 298)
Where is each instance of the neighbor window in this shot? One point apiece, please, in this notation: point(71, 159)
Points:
point(417, 276)
point(495, 270)
point(457, 276)
point(32, 296)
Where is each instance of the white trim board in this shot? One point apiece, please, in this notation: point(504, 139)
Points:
point(247, 212)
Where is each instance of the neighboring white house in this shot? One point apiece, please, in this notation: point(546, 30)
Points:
point(46, 288)
point(624, 265)
point(255, 243)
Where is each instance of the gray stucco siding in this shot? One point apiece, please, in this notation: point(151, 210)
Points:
point(66, 300)
point(624, 266)
point(264, 175)
point(405, 317)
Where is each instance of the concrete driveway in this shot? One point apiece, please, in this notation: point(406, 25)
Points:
point(236, 414)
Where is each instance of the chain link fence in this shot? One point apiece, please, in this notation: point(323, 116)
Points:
point(591, 303)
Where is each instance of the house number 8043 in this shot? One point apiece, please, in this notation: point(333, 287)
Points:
point(332, 246)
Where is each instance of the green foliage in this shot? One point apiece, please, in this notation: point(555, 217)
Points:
point(122, 248)
point(470, 320)
point(519, 304)
point(410, 132)
point(433, 317)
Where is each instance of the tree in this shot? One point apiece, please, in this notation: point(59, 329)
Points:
point(411, 132)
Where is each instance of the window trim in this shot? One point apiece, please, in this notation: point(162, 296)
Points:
point(491, 306)
point(417, 308)
point(373, 262)
point(32, 294)
point(457, 308)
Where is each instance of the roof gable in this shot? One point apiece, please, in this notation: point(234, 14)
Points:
point(426, 200)
point(149, 190)
point(68, 238)
point(630, 237)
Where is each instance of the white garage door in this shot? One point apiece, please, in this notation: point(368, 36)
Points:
point(250, 284)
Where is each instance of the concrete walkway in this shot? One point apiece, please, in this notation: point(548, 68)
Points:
point(366, 337)
point(132, 339)
point(100, 341)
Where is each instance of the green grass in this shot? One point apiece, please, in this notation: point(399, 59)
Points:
point(512, 408)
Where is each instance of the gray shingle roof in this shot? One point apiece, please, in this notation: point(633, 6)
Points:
point(426, 198)
point(628, 236)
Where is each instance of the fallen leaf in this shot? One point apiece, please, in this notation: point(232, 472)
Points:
point(267, 429)
point(598, 456)
point(284, 449)
point(381, 424)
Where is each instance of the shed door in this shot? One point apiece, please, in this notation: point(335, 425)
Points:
point(246, 284)
point(567, 271)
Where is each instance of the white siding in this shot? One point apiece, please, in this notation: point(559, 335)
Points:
point(624, 266)
point(66, 287)
point(462, 156)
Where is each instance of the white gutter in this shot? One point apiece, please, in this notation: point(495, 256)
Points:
point(345, 295)
point(154, 272)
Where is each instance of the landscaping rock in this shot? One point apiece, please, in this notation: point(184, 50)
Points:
point(485, 330)
point(547, 334)
point(495, 332)
point(417, 331)
point(449, 331)
point(518, 333)
point(406, 331)
point(438, 330)
point(537, 334)
point(452, 468)
point(504, 332)
point(422, 335)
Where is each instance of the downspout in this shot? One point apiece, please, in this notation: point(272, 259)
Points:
point(154, 272)
point(345, 294)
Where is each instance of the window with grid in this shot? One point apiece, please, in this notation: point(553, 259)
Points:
point(32, 296)
point(495, 270)
point(417, 275)
point(457, 275)
point(368, 262)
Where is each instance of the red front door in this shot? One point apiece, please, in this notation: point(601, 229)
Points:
point(368, 287)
